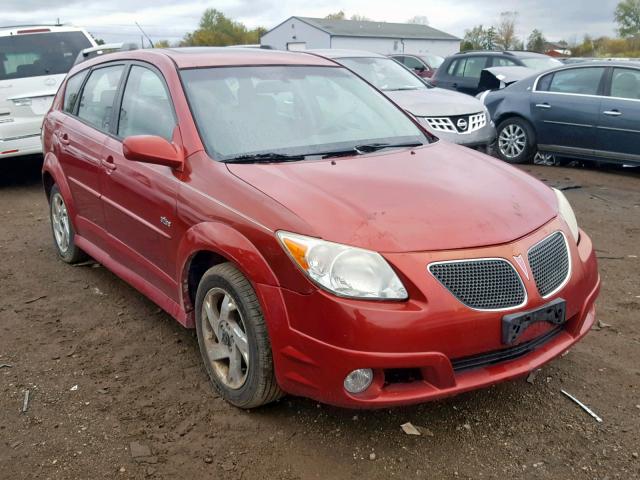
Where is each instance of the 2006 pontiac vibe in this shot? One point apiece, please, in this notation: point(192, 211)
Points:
point(319, 240)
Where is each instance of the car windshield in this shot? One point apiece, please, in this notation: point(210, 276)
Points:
point(540, 63)
point(384, 73)
point(37, 54)
point(291, 110)
point(434, 61)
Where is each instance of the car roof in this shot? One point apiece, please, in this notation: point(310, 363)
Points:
point(600, 63)
point(198, 57)
point(340, 53)
point(508, 53)
point(36, 29)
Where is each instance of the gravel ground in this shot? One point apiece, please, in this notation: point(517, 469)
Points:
point(116, 387)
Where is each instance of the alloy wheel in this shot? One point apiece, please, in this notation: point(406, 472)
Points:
point(544, 158)
point(225, 338)
point(60, 222)
point(512, 141)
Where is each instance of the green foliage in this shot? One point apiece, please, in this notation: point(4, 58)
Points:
point(536, 42)
point(627, 16)
point(607, 47)
point(161, 44)
point(479, 38)
point(336, 16)
point(216, 29)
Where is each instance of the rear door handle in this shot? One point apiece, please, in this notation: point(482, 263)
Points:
point(64, 139)
point(612, 113)
point(546, 106)
point(109, 164)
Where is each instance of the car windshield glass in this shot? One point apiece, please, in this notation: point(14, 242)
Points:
point(383, 73)
point(540, 63)
point(33, 55)
point(434, 61)
point(291, 110)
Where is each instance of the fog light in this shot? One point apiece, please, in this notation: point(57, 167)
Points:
point(358, 380)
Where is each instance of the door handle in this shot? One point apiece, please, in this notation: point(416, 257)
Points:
point(546, 106)
point(109, 164)
point(64, 138)
point(612, 113)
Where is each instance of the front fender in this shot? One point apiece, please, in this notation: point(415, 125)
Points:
point(52, 167)
point(223, 240)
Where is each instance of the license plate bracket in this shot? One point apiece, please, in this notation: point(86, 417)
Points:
point(513, 325)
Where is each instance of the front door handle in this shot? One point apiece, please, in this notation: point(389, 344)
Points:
point(612, 113)
point(64, 139)
point(109, 164)
point(545, 106)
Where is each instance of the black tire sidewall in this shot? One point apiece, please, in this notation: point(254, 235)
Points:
point(246, 393)
point(528, 153)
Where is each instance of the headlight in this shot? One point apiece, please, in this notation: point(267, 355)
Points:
point(22, 102)
point(343, 270)
point(564, 207)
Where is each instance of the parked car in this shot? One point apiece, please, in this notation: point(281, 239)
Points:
point(320, 242)
point(448, 115)
point(461, 72)
point(33, 62)
point(424, 65)
point(585, 111)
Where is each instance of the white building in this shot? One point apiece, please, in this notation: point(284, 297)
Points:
point(302, 33)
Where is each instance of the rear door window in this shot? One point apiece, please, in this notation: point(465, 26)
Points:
point(582, 81)
point(470, 67)
point(625, 83)
point(98, 95)
point(503, 62)
point(72, 90)
point(38, 54)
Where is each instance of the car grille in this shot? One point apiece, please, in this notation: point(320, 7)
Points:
point(458, 124)
point(549, 261)
point(485, 284)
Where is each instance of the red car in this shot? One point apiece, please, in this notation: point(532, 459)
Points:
point(319, 240)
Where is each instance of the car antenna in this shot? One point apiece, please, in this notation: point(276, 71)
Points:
point(145, 34)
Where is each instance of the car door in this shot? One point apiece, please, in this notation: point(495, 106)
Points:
point(464, 73)
point(619, 125)
point(139, 198)
point(565, 107)
point(81, 138)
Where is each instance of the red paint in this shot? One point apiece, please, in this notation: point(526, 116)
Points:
point(441, 203)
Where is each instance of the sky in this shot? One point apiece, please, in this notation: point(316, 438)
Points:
point(113, 20)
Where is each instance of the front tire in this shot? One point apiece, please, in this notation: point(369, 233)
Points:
point(516, 141)
point(233, 339)
point(62, 229)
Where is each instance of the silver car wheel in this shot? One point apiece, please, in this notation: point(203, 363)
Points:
point(225, 338)
point(512, 141)
point(60, 223)
point(544, 158)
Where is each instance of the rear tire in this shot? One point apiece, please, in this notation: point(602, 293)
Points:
point(233, 339)
point(516, 141)
point(62, 229)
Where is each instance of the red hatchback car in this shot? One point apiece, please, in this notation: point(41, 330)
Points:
point(319, 240)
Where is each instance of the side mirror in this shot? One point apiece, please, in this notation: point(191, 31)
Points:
point(152, 149)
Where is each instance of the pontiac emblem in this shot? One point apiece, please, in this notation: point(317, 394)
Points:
point(523, 266)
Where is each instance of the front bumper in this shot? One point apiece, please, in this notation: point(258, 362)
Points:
point(416, 348)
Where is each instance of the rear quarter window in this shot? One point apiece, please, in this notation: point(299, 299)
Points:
point(72, 90)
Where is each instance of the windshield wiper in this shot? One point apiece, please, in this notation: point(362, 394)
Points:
point(269, 157)
point(368, 148)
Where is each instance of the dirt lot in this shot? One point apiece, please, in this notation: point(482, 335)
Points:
point(110, 377)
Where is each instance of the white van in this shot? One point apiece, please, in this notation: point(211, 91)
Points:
point(33, 62)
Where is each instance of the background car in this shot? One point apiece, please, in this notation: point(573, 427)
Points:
point(586, 111)
point(450, 116)
point(461, 72)
point(33, 62)
point(424, 65)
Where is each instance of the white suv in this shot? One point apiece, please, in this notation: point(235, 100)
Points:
point(33, 62)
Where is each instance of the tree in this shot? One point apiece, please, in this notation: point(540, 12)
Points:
point(474, 39)
point(336, 16)
point(217, 30)
point(536, 42)
point(419, 20)
point(627, 16)
point(359, 18)
point(506, 30)
point(161, 44)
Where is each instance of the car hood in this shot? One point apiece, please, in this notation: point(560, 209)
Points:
point(441, 197)
point(435, 102)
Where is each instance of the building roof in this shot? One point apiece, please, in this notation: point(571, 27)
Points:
point(357, 28)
